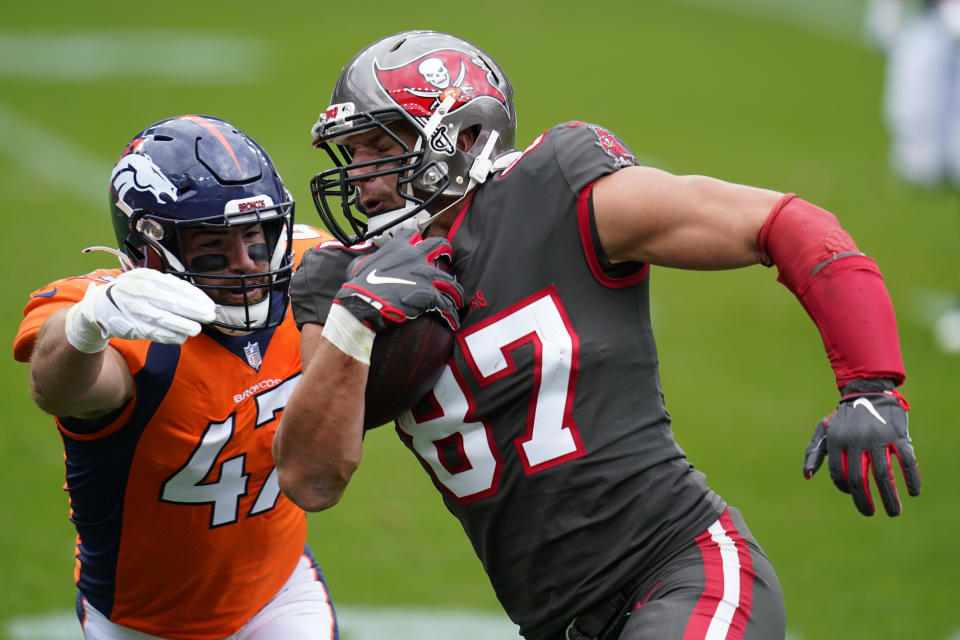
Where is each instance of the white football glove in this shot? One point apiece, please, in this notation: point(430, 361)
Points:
point(141, 304)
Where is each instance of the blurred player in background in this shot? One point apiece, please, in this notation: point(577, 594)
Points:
point(921, 39)
point(547, 433)
point(167, 378)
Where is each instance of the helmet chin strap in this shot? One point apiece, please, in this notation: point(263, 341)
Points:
point(237, 315)
point(442, 109)
point(482, 166)
point(383, 219)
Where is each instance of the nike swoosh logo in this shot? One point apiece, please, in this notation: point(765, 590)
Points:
point(46, 294)
point(373, 278)
point(869, 406)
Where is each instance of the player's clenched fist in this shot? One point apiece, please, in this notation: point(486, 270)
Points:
point(399, 281)
point(140, 304)
point(867, 430)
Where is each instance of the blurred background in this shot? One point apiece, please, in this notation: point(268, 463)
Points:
point(784, 94)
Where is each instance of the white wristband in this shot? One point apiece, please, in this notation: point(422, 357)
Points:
point(349, 334)
point(84, 334)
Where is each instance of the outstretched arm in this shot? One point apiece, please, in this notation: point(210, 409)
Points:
point(68, 382)
point(74, 371)
point(695, 222)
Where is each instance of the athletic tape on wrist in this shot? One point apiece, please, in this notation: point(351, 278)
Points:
point(349, 334)
point(83, 334)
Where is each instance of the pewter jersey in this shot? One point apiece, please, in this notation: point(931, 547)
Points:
point(547, 433)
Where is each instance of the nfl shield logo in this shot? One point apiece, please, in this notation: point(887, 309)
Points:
point(252, 351)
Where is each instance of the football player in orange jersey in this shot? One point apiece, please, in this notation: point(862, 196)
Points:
point(167, 378)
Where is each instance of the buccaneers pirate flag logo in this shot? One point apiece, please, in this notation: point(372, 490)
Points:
point(419, 86)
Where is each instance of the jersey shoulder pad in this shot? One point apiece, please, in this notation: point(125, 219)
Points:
point(581, 151)
point(306, 237)
point(587, 151)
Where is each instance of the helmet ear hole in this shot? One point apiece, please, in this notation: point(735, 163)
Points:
point(153, 259)
point(468, 137)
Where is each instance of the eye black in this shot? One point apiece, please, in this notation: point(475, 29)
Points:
point(218, 261)
point(258, 252)
point(209, 262)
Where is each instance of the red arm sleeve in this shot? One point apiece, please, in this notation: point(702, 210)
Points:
point(841, 289)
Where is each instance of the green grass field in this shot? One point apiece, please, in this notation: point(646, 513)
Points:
point(776, 93)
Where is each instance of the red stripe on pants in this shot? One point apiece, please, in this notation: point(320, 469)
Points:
point(726, 561)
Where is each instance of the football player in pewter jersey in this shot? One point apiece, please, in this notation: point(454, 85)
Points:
point(546, 434)
point(167, 378)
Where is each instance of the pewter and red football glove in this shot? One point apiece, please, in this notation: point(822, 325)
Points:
point(868, 429)
point(400, 281)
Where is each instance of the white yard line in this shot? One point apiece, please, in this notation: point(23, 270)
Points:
point(164, 56)
point(185, 57)
point(41, 151)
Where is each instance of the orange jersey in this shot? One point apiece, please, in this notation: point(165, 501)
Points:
point(182, 529)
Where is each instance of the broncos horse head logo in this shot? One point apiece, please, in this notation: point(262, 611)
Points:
point(137, 171)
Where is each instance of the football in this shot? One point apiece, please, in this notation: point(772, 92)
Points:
point(405, 363)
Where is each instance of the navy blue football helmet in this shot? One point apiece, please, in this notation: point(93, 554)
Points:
point(438, 84)
point(193, 172)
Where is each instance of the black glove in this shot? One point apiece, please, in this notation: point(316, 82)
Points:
point(867, 428)
point(399, 281)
